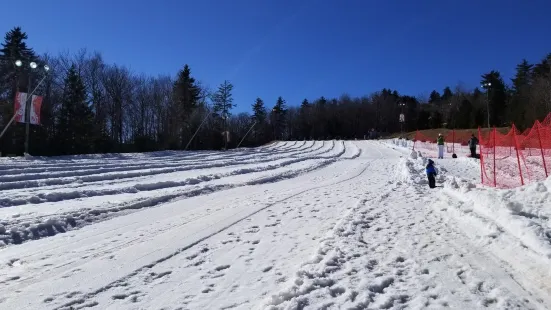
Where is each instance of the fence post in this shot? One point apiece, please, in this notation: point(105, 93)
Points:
point(518, 156)
point(538, 125)
point(495, 179)
point(481, 157)
point(453, 141)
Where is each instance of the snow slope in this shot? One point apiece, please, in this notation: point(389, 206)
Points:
point(292, 225)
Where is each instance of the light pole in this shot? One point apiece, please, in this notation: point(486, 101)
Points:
point(226, 132)
point(28, 102)
point(487, 86)
point(33, 66)
point(275, 119)
point(402, 117)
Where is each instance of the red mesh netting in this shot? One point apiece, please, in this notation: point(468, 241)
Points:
point(514, 159)
point(507, 160)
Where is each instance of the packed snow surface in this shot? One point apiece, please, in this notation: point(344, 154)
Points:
point(292, 225)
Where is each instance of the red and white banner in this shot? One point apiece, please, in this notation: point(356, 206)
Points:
point(21, 105)
point(35, 109)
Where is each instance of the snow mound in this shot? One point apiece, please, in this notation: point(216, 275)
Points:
point(522, 213)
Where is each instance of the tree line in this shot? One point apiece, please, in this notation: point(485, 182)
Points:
point(90, 106)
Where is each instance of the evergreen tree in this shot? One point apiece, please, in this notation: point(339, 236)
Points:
point(186, 97)
point(447, 94)
point(13, 79)
point(434, 97)
point(222, 101)
point(186, 93)
point(522, 78)
point(497, 97)
point(520, 94)
point(76, 120)
point(259, 116)
point(543, 69)
point(278, 118)
point(259, 111)
point(15, 48)
point(305, 115)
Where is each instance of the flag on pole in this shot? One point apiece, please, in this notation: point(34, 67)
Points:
point(20, 107)
point(35, 109)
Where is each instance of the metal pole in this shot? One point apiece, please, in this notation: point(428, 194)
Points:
point(246, 134)
point(28, 104)
point(488, 105)
point(196, 131)
point(28, 97)
point(225, 131)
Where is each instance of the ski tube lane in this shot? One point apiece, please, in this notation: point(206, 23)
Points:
point(47, 193)
point(393, 251)
point(122, 247)
point(15, 189)
point(79, 218)
point(96, 172)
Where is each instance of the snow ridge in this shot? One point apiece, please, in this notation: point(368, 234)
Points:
point(25, 229)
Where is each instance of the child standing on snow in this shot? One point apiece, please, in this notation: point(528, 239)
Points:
point(431, 174)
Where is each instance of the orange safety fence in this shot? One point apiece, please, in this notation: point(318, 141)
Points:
point(455, 142)
point(506, 160)
point(515, 159)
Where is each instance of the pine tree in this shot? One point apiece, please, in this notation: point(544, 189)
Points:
point(76, 120)
point(434, 97)
point(260, 129)
point(447, 94)
point(278, 116)
point(259, 111)
point(186, 94)
point(522, 78)
point(497, 97)
point(305, 114)
point(186, 97)
point(13, 79)
point(14, 48)
point(222, 101)
point(516, 111)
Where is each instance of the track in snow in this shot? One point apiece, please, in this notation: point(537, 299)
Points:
point(351, 227)
point(54, 196)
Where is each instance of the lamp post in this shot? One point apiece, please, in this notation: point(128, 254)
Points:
point(487, 86)
point(226, 131)
point(402, 117)
point(33, 66)
point(275, 119)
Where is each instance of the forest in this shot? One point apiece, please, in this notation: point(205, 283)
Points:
point(90, 106)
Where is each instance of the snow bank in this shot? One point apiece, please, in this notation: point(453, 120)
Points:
point(522, 213)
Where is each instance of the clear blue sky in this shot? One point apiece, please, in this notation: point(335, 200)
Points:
point(297, 48)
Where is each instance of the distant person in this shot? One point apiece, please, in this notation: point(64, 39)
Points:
point(473, 142)
point(431, 174)
point(440, 142)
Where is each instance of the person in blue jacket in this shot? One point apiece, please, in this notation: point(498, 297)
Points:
point(431, 174)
